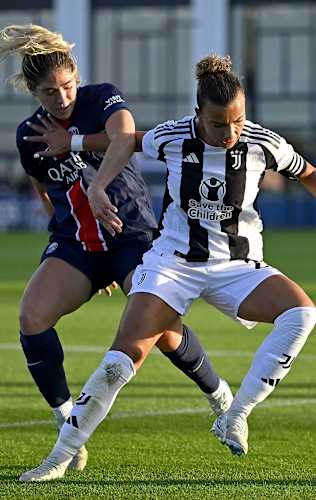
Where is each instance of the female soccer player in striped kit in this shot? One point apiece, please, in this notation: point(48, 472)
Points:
point(209, 246)
point(83, 254)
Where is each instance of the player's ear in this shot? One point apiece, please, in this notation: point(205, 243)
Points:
point(197, 110)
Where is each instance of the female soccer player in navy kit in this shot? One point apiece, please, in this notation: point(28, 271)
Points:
point(209, 246)
point(82, 256)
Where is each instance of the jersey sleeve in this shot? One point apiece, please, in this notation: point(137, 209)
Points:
point(156, 141)
point(149, 145)
point(284, 159)
point(110, 100)
point(31, 165)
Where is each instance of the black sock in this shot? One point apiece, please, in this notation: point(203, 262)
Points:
point(191, 358)
point(45, 356)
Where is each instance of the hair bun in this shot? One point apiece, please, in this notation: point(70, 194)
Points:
point(212, 64)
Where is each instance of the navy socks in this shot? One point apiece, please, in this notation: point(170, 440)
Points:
point(191, 358)
point(45, 356)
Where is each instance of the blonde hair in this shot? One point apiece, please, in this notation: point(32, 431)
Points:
point(41, 50)
point(216, 80)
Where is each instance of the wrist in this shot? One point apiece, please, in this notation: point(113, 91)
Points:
point(93, 187)
point(76, 143)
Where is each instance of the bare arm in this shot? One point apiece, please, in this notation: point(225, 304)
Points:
point(308, 179)
point(58, 139)
point(40, 189)
point(139, 140)
point(120, 129)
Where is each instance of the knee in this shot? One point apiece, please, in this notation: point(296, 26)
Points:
point(169, 340)
point(136, 349)
point(308, 317)
point(33, 320)
point(303, 318)
point(27, 319)
point(136, 352)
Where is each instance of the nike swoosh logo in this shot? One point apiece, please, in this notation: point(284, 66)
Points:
point(33, 364)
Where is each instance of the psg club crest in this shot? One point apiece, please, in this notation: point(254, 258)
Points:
point(73, 130)
point(213, 189)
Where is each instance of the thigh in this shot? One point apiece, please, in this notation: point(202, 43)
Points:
point(172, 279)
point(230, 283)
point(123, 261)
point(144, 320)
point(171, 337)
point(55, 289)
point(271, 298)
point(127, 283)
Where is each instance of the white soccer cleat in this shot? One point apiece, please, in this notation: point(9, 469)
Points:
point(232, 430)
point(47, 471)
point(221, 399)
point(79, 461)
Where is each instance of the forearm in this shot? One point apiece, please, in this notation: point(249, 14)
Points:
point(116, 158)
point(139, 140)
point(47, 204)
point(100, 142)
point(42, 193)
point(308, 179)
point(96, 142)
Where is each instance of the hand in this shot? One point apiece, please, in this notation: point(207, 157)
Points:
point(107, 290)
point(103, 210)
point(51, 133)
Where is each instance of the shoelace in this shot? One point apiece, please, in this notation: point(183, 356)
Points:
point(237, 424)
point(220, 401)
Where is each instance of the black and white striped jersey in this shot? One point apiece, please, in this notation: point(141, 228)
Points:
point(209, 209)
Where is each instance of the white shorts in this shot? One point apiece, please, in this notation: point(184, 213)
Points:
point(223, 284)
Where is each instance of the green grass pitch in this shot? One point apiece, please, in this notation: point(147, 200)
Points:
point(156, 443)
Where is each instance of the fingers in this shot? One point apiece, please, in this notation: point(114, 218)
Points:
point(53, 121)
point(107, 290)
point(103, 210)
point(48, 153)
point(36, 138)
point(37, 128)
point(47, 124)
point(111, 222)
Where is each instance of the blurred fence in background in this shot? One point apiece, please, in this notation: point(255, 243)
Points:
point(145, 48)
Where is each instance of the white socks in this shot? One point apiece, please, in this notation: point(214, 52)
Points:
point(62, 412)
point(94, 403)
point(273, 359)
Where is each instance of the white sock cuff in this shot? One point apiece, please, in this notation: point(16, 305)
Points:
point(306, 315)
point(120, 357)
point(217, 392)
point(62, 412)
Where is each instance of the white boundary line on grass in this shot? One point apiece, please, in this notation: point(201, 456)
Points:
point(177, 411)
point(100, 349)
point(281, 403)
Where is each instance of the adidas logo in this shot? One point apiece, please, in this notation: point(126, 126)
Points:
point(191, 158)
point(271, 381)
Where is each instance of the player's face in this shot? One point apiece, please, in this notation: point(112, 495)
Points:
point(57, 92)
point(221, 126)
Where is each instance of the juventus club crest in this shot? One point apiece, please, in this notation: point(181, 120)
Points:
point(236, 159)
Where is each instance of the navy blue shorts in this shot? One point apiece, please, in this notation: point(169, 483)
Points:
point(101, 268)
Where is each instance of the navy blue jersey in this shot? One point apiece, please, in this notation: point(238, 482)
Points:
point(66, 181)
